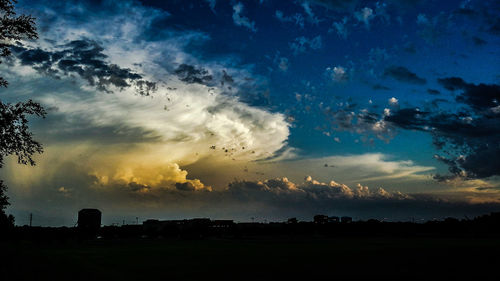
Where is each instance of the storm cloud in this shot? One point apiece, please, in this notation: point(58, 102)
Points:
point(402, 74)
point(472, 136)
point(86, 59)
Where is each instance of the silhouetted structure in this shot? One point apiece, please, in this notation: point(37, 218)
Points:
point(197, 227)
point(89, 221)
point(333, 219)
point(346, 219)
point(320, 219)
point(221, 223)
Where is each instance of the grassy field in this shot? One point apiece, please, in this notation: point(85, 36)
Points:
point(269, 259)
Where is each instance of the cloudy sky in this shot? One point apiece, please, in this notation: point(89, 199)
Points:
point(259, 109)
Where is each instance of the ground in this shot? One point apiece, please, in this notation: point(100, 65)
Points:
point(255, 259)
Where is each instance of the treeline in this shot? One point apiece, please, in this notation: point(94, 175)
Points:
point(482, 226)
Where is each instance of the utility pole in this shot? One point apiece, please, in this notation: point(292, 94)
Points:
point(137, 220)
point(31, 219)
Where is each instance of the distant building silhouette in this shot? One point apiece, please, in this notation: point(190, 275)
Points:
point(333, 219)
point(198, 227)
point(89, 227)
point(222, 223)
point(346, 219)
point(320, 219)
point(89, 221)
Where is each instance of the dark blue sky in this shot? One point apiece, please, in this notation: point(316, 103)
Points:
point(428, 39)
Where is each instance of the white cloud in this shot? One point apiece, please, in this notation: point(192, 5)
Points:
point(393, 101)
point(387, 112)
point(338, 73)
point(309, 12)
point(369, 168)
point(365, 15)
point(313, 189)
point(340, 27)
point(242, 20)
point(297, 19)
point(283, 65)
point(177, 125)
point(422, 19)
point(301, 44)
point(211, 4)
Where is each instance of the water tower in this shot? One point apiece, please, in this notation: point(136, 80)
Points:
point(89, 220)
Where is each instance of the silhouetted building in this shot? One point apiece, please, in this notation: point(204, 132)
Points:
point(151, 225)
point(292, 221)
point(222, 223)
point(320, 219)
point(333, 219)
point(346, 219)
point(198, 222)
point(89, 221)
point(157, 225)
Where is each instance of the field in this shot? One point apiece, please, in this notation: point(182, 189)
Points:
point(256, 259)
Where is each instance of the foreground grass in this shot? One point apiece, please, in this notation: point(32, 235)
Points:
point(391, 258)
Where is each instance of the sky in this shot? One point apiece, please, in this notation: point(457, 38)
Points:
point(258, 110)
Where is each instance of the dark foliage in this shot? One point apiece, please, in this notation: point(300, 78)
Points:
point(15, 138)
point(12, 29)
point(3, 198)
point(6, 222)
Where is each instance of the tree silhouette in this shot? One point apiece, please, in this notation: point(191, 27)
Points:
point(4, 221)
point(15, 137)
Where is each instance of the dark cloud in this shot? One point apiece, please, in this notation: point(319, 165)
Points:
point(495, 27)
point(192, 74)
point(452, 83)
point(433, 92)
point(86, 59)
point(136, 187)
point(369, 117)
point(185, 186)
point(479, 97)
point(487, 188)
point(144, 87)
point(402, 74)
point(226, 78)
point(465, 12)
point(33, 56)
point(478, 41)
point(364, 122)
point(380, 87)
point(410, 48)
point(435, 102)
point(470, 142)
point(342, 119)
point(408, 118)
point(470, 136)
